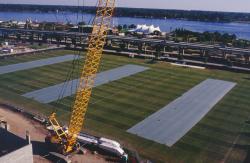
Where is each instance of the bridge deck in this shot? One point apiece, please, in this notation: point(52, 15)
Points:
point(133, 39)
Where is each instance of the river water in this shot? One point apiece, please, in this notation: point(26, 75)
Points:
point(240, 29)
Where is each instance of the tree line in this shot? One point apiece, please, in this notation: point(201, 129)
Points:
point(208, 16)
point(212, 37)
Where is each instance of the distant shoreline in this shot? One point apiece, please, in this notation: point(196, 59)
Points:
point(188, 15)
point(240, 22)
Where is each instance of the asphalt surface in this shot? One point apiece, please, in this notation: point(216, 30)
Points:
point(35, 64)
point(172, 122)
point(59, 91)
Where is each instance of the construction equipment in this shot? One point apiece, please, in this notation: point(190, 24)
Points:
point(66, 139)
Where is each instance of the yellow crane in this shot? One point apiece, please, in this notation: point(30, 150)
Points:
point(67, 141)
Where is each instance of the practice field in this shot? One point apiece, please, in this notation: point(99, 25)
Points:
point(59, 91)
point(221, 136)
point(34, 64)
point(172, 122)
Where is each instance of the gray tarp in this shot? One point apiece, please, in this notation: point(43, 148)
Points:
point(172, 122)
point(50, 94)
point(35, 64)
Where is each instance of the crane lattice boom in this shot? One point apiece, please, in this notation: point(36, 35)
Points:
point(97, 41)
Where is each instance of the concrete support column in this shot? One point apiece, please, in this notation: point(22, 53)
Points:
point(128, 45)
point(164, 49)
point(5, 125)
point(140, 47)
point(145, 48)
point(181, 53)
point(28, 137)
point(158, 51)
point(108, 43)
point(247, 58)
point(202, 53)
point(83, 46)
point(80, 40)
point(111, 43)
point(206, 56)
point(225, 55)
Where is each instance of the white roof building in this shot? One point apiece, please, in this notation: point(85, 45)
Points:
point(146, 29)
point(21, 23)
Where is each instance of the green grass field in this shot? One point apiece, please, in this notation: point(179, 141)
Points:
point(223, 135)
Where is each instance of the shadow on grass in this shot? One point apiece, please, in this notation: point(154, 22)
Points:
point(43, 150)
point(152, 61)
point(247, 134)
point(247, 78)
point(247, 160)
point(245, 147)
point(40, 148)
point(247, 122)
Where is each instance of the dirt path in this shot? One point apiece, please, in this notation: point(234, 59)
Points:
point(18, 124)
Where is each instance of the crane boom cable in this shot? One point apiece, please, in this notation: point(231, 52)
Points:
point(96, 43)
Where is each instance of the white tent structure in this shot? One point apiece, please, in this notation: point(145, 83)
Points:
point(146, 29)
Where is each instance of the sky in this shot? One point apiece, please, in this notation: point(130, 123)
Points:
point(207, 5)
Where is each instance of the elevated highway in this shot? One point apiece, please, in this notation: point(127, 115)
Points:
point(158, 47)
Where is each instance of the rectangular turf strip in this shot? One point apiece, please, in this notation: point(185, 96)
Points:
point(35, 64)
point(172, 122)
point(59, 91)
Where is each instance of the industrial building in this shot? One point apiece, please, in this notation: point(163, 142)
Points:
point(14, 149)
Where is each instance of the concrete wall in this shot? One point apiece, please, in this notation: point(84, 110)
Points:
point(22, 155)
